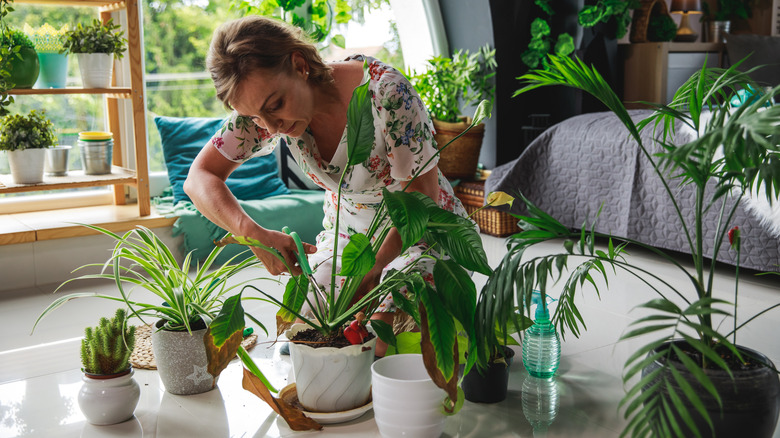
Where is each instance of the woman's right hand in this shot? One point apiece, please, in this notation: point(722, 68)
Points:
point(286, 247)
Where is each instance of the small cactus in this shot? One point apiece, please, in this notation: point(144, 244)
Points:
point(106, 348)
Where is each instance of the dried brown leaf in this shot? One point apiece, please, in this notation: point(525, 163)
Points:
point(220, 357)
point(295, 418)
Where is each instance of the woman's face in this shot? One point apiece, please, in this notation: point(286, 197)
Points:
point(281, 103)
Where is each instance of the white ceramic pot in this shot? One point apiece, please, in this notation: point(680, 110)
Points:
point(406, 401)
point(96, 69)
point(109, 400)
point(331, 379)
point(27, 165)
point(181, 361)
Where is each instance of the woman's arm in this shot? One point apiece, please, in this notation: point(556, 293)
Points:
point(205, 185)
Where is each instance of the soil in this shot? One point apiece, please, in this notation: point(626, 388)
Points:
point(315, 339)
point(731, 360)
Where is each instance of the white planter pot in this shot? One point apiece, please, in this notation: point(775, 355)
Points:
point(182, 361)
point(27, 165)
point(331, 379)
point(406, 401)
point(109, 400)
point(96, 69)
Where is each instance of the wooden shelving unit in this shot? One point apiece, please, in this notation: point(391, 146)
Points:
point(120, 176)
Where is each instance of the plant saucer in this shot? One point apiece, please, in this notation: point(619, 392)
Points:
point(290, 394)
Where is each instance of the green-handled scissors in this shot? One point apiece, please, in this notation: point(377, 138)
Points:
point(303, 261)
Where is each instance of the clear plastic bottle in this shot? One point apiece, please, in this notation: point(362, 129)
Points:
point(540, 403)
point(541, 345)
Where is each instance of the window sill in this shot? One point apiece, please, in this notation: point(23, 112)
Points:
point(63, 223)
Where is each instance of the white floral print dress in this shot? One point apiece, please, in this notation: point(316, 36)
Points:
point(403, 145)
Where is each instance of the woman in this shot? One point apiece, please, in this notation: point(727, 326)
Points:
point(280, 90)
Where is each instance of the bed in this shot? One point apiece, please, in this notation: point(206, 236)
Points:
point(588, 162)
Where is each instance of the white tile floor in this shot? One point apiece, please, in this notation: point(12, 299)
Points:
point(40, 377)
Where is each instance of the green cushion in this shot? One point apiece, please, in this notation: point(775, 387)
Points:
point(301, 211)
point(182, 139)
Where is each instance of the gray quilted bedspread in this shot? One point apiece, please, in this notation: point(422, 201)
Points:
point(589, 162)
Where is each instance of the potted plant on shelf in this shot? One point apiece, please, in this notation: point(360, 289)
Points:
point(25, 139)
point(188, 302)
point(6, 55)
point(52, 55)
point(23, 60)
point(110, 393)
point(719, 21)
point(96, 45)
point(415, 217)
point(447, 86)
point(692, 376)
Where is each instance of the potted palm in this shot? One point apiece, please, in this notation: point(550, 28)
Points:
point(109, 394)
point(416, 217)
point(188, 302)
point(25, 139)
point(447, 86)
point(691, 376)
point(96, 45)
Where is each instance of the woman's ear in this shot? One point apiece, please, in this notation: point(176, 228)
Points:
point(300, 66)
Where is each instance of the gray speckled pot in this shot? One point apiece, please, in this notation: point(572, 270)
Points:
point(181, 361)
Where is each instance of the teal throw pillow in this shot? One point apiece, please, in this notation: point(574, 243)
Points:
point(182, 139)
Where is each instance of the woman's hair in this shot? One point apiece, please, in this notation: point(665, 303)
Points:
point(243, 46)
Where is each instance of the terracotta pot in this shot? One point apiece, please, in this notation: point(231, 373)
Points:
point(459, 159)
point(751, 401)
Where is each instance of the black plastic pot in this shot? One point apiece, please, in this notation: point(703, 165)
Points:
point(751, 401)
point(490, 387)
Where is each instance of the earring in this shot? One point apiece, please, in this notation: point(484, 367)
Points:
point(307, 73)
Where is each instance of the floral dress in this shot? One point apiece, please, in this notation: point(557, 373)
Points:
point(403, 144)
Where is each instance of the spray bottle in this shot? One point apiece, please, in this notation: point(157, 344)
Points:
point(541, 345)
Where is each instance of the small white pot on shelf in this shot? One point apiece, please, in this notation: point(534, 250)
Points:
point(108, 400)
point(27, 165)
point(96, 69)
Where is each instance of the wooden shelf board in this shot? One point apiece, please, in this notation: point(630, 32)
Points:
point(100, 3)
point(117, 93)
point(73, 179)
point(43, 225)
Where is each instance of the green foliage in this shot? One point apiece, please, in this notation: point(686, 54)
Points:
point(15, 37)
point(661, 28)
point(139, 258)
point(729, 10)
point(96, 38)
point(18, 132)
point(450, 84)
point(106, 349)
point(736, 150)
point(604, 11)
point(7, 51)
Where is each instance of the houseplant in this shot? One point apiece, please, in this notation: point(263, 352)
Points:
point(692, 367)
point(25, 138)
point(447, 86)
point(53, 58)
point(96, 45)
point(6, 55)
point(184, 304)
point(23, 64)
point(719, 21)
point(110, 394)
point(415, 217)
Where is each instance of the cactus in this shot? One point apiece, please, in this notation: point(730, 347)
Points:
point(106, 348)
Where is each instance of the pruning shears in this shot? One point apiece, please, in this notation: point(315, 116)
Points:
point(303, 262)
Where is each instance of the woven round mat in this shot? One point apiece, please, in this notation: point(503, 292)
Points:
point(142, 356)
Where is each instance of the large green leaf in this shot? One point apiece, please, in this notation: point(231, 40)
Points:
point(358, 258)
point(441, 331)
point(360, 125)
point(459, 238)
point(408, 214)
point(458, 292)
point(294, 296)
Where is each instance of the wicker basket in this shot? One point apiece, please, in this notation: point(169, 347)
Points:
point(490, 220)
point(460, 159)
point(641, 19)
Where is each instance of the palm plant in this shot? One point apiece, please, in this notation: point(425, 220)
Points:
point(735, 152)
